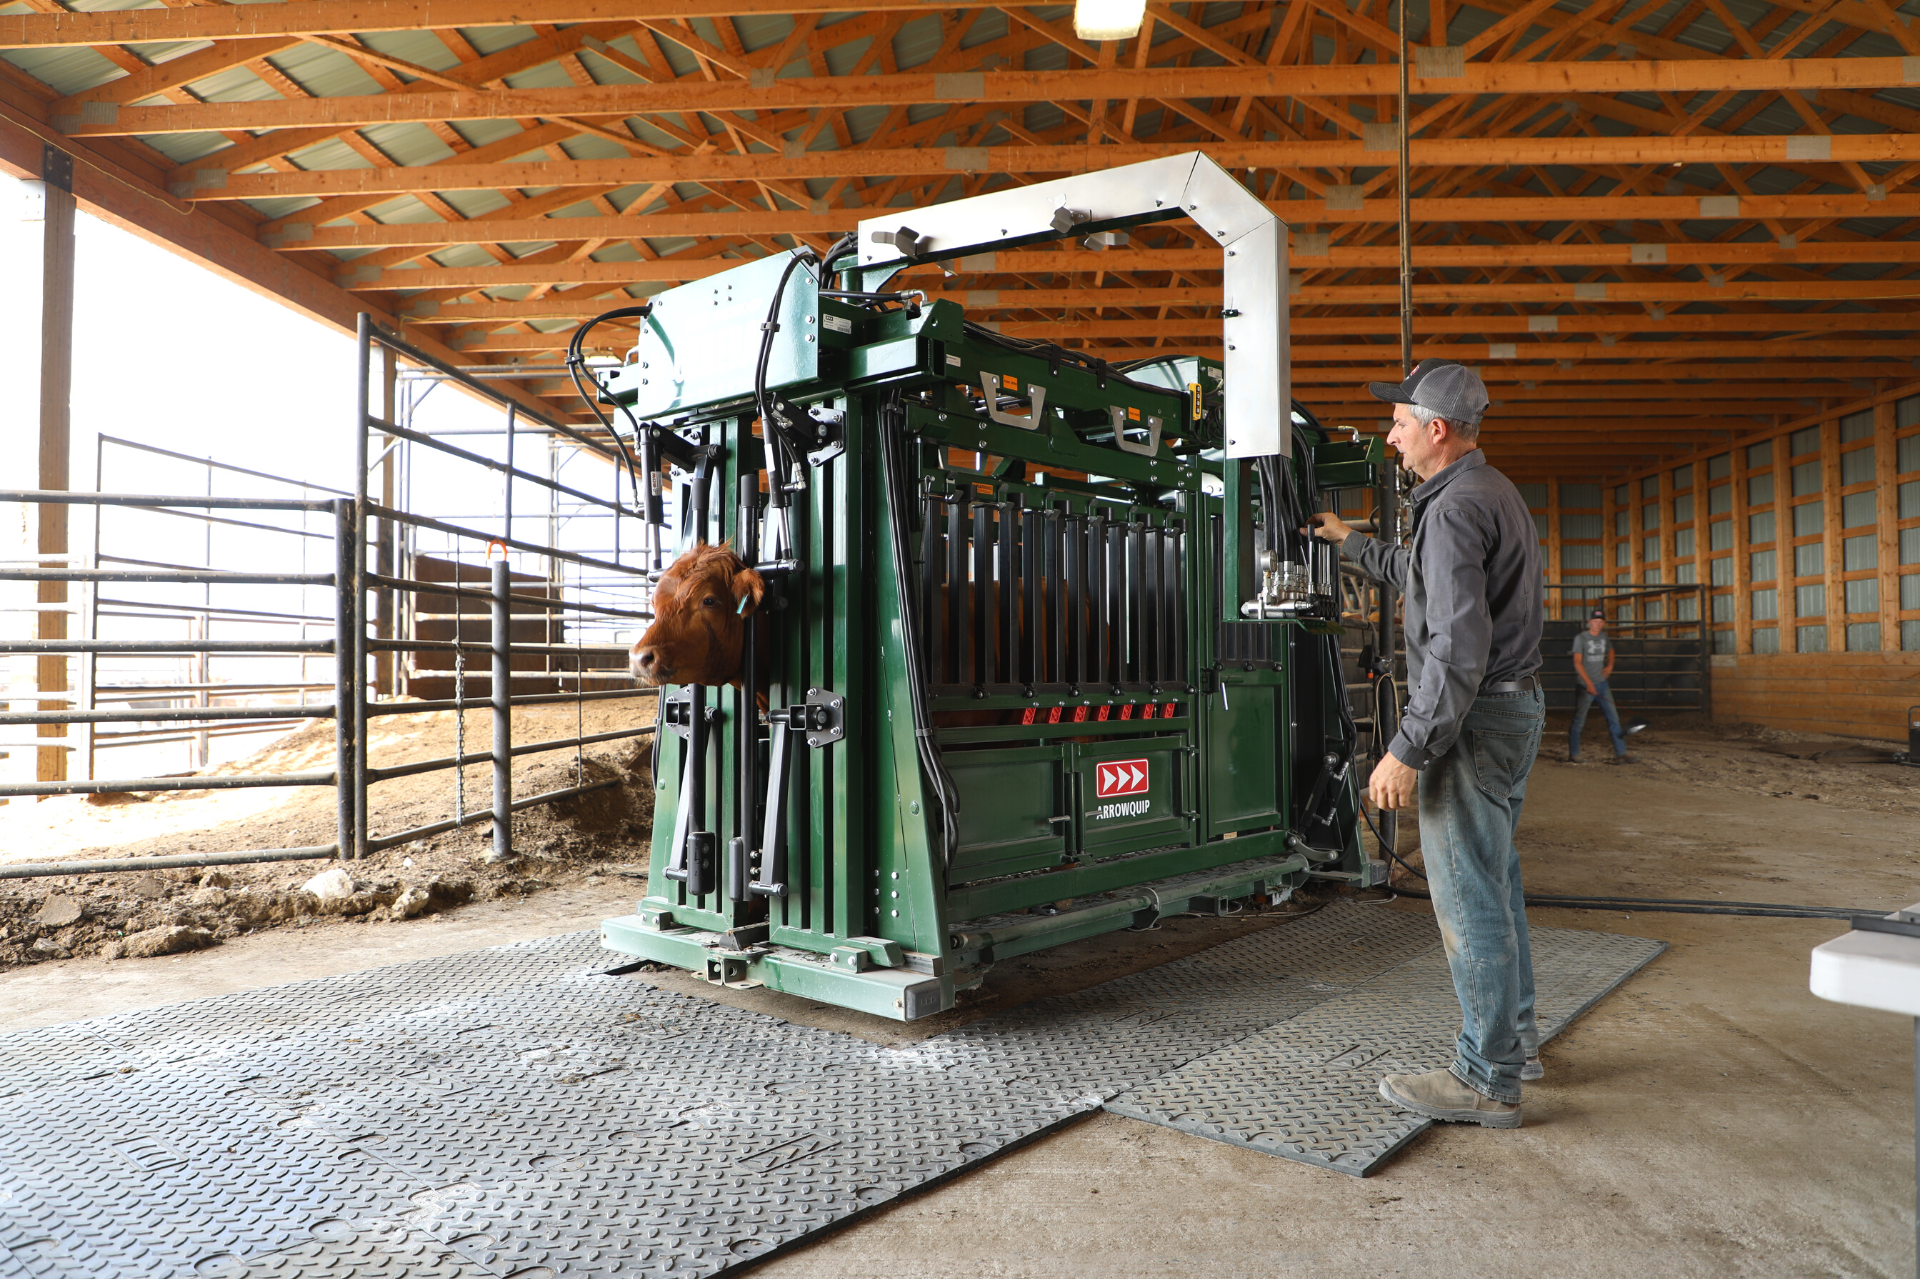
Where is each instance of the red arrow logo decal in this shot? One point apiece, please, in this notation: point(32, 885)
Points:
point(1121, 777)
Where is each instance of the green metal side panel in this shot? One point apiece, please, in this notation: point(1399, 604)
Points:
point(1007, 798)
point(1242, 756)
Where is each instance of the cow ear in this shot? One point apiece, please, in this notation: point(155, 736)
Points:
point(748, 590)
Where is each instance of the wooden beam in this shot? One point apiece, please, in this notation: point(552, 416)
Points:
point(1041, 261)
point(1458, 327)
point(592, 299)
point(365, 110)
point(1649, 209)
point(298, 235)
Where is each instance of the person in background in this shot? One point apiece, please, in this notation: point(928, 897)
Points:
point(1592, 665)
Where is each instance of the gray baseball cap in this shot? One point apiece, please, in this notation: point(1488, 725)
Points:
point(1446, 387)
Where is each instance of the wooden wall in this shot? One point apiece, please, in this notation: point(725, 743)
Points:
point(1855, 694)
point(1808, 537)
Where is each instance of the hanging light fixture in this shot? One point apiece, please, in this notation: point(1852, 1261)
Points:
point(1108, 19)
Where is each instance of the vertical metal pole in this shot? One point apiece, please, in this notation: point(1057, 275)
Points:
point(513, 412)
point(739, 873)
point(386, 559)
point(354, 583)
point(92, 666)
point(1406, 233)
point(343, 694)
point(502, 644)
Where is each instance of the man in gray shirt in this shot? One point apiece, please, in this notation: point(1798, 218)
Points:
point(1592, 665)
point(1470, 576)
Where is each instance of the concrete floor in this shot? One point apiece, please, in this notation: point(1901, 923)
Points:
point(1711, 1118)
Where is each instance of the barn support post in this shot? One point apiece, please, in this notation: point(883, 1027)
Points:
point(501, 641)
point(55, 206)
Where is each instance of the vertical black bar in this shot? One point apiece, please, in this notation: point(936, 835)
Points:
point(1177, 587)
point(501, 642)
point(1117, 604)
point(1139, 607)
point(1009, 584)
point(345, 729)
point(355, 639)
point(746, 703)
point(934, 660)
point(1096, 598)
point(699, 840)
point(1075, 555)
point(958, 593)
point(985, 630)
point(1056, 602)
point(1034, 632)
point(1152, 538)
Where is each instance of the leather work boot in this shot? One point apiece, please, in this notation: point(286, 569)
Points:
point(1533, 1069)
point(1438, 1095)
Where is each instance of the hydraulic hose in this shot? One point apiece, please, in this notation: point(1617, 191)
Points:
point(577, 360)
point(1679, 906)
point(780, 465)
point(897, 480)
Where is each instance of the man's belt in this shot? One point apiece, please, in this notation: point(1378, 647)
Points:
point(1510, 686)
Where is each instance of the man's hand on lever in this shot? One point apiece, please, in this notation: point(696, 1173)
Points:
point(1328, 527)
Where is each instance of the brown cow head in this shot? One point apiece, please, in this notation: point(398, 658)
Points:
point(700, 612)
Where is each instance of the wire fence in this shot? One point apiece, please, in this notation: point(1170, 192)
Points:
point(392, 611)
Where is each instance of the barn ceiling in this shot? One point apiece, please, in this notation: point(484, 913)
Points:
point(1651, 224)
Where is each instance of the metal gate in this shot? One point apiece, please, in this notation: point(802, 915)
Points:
point(377, 574)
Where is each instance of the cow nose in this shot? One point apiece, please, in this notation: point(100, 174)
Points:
point(644, 663)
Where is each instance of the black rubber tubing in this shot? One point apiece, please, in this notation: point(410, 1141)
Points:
point(1680, 906)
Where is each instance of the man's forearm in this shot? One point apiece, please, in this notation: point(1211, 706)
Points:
point(1378, 560)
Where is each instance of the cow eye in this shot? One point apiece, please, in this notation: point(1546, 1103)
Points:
point(712, 601)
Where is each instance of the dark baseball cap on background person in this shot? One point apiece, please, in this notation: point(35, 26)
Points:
point(1600, 613)
point(1446, 387)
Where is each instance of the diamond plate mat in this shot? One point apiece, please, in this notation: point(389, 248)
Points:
point(1307, 1088)
point(516, 1112)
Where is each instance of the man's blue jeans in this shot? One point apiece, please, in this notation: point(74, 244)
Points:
point(1582, 702)
point(1470, 800)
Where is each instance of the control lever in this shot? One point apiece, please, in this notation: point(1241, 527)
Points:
point(693, 850)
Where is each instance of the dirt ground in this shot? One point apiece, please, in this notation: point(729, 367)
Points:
point(46, 919)
point(558, 843)
point(1711, 1118)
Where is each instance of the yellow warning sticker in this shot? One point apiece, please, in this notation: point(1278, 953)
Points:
point(1193, 396)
